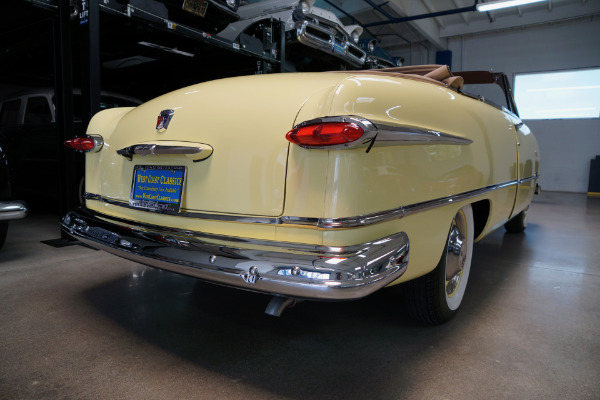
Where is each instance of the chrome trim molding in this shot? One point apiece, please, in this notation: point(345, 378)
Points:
point(328, 223)
point(11, 210)
point(289, 269)
point(98, 142)
point(145, 149)
point(396, 213)
point(531, 178)
point(407, 135)
point(186, 213)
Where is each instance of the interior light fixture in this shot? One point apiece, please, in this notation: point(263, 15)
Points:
point(496, 5)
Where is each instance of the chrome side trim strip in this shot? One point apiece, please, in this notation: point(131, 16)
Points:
point(328, 223)
point(388, 215)
point(531, 178)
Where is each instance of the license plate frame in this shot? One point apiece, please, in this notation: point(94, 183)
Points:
point(339, 48)
point(158, 187)
point(196, 7)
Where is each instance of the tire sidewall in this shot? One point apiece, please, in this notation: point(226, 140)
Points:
point(449, 305)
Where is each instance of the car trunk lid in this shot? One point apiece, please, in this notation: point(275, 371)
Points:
point(228, 135)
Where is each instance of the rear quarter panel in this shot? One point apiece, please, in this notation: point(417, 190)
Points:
point(391, 176)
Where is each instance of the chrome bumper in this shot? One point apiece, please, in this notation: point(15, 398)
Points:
point(10, 210)
point(287, 269)
point(322, 38)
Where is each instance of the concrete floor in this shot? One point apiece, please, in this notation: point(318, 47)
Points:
point(81, 324)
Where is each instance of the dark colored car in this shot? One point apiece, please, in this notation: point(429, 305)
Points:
point(9, 209)
point(30, 140)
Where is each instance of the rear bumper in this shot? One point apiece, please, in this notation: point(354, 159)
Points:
point(10, 210)
point(288, 269)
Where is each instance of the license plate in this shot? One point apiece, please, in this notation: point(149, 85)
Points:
point(338, 48)
point(157, 187)
point(197, 7)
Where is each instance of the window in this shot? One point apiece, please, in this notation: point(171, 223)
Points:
point(559, 95)
point(9, 115)
point(106, 101)
point(113, 102)
point(490, 92)
point(37, 111)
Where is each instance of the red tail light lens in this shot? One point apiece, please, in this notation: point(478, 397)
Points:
point(325, 134)
point(85, 143)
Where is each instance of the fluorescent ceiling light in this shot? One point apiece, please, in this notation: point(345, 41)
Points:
point(496, 5)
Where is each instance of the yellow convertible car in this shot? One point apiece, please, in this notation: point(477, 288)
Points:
point(322, 186)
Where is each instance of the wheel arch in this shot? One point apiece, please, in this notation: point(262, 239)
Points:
point(481, 214)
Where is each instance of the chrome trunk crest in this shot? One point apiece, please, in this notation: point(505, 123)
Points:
point(164, 118)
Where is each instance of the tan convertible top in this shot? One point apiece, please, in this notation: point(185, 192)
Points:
point(438, 74)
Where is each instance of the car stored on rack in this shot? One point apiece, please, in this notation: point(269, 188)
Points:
point(319, 188)
point(314, 36)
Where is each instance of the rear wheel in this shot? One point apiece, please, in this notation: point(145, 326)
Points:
point(81, 191)
point(518, 223)
point(436, 297)
point(3, 230)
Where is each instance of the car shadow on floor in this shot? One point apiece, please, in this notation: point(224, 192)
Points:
point(315, 349)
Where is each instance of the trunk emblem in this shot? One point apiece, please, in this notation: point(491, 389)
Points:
point(164, 118)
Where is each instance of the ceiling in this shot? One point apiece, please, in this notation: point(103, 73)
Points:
point(378, 17)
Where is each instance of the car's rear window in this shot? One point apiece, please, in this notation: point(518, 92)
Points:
point(37, 111)
point(9, 114)
point(105, 103)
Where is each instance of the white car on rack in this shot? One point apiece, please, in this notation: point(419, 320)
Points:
point(306, 25)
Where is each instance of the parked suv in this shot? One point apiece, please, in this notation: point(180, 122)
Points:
point(30, 140)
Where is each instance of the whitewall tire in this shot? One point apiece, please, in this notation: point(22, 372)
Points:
point(436, 297)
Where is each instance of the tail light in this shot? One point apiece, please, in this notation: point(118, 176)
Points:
point(88, 143)
point(322, 134)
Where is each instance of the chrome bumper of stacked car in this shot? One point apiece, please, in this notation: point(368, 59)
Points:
point(323, 38)
point(11, 210)
point(287, 269)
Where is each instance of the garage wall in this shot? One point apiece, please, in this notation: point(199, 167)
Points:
point(417, 54)
point(566, 146)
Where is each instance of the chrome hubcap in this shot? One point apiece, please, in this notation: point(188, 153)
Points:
point(457, 254)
